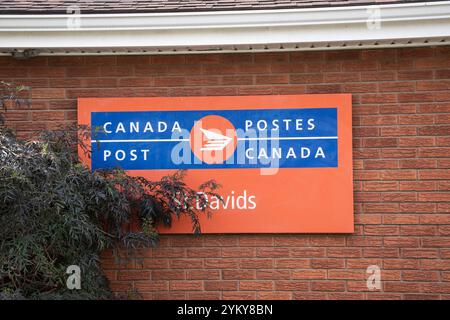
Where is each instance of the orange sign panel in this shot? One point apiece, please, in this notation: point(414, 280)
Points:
point(284, 162)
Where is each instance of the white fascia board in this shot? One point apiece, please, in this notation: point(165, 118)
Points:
point(166, 32)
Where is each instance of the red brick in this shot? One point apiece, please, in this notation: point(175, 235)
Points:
point(204, 295)
point(48, 93)
point(419, 253)
point(343, 253)
point(342, 77)
point(203, 253)
point(415, 97)
point(272, 252)
point(256, 285)
point(379, 120)
point(238, 252)
point(309, 296)
point(220, 91)
point(275, 295)
point(381, 253)
point(418, 164)
point(442, 74)
point(385, 98)
point(146, 286)
point(169, 81)
point(401, 242)
point(291, 285)
point(169, 252)
point(415, 75)
point(417, 230)
point(436, 287)
point(435, 130)
point(221, 285)
point(168, 275)
point(380, 186)
point(399, 86)
point(346, 275)
point(238, 295)
point(398, 109)
point(308, 274)
point(381, 207)
point(327, 263)
point(415, 142)
point(168, 296)
point(273, 274)
point(400, 219)
point(398, 131)
point(401, 287)
point(306, 78)
point(238, 274)
point(169, 59)
point(133, 275)
point(380, 142)
point(256, 263)
point(401, 118)
point(237, 80)
point(290, 241)
point(366, 109)
point(420, 276)
point(364, 219)
point(357, 286)
point(400, 264)
point(272, 79)
point(48, 115)
point(434, 152)
point(308, 252)
point(287, 67)
point(199, 81)
point(292, 263)
point(432, 62)
point(442, 119)
point(255, 241)
point(399, 197)
point(185, 263)
point(383, 296)
point(434, 174)
point(203, 275)
point(328, 286)
point(380, 230)
point(323, 88)
point(82, 72)
point(253, 68)
point(221, 263)
point(398, 153)
point(418, 207)
point(434, 197)
point(322, 240)
point(180, 285)
point(436, 242)
point(435, 108)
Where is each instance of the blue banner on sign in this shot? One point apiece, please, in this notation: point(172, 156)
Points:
point(262, 138)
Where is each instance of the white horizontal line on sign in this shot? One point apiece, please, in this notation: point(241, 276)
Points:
point(240, 139)
point(288, 138)
point(141, 140)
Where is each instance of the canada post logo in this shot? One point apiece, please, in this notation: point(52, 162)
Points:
point(215, 139)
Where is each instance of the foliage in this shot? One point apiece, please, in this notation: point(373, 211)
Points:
point(12, 93)
point(55, 212)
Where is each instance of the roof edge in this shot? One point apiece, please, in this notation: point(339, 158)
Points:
point(227, 30)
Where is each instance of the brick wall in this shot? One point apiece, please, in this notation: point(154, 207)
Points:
point(401, 107)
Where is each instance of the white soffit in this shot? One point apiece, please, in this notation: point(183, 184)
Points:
point(398, 25)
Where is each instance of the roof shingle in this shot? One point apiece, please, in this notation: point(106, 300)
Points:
point(149, 6)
